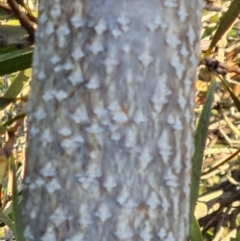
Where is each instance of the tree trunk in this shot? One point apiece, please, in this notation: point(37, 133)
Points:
point(110, 120)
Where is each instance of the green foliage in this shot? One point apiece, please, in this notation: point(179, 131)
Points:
point(16, 60)
point(17, 216)
point(200, 140)
point(233, 96)
point(195, 232)
point(226, 22)
point(15, 88)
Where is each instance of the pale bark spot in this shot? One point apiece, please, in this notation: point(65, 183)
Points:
point(101, 27)
point(48, 170)
point(53, 186)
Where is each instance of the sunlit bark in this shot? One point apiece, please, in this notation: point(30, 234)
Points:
point(110, 135)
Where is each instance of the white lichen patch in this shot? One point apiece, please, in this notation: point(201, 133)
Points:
point(28, 234)
point(123, 196)
point(165, 149)
point(191, 35)
point(119, 117)
point(116, 32)
point(77, 237)
point(177, 65)
point(60, 95)
point(62, 30)
point(187, 85)
point(68, 65)
point(123, 229)
point(58, 68)
point(69, 146)
point(103, 212)
point(109, 183)
point(96, 47)
point(101, 27)
point(159, 22)
point(187, 115)
point(76, 77)
point(153, 201)
point(49, 234)
point(48, 95)
point(47, 136)
point(145, 158)
point(85, 218)
point(182, 13)
point(77, 21)
point(80, 115)
point(174, 121)
point(48, 170)
point(165, 203)
point(126, 48)
point(181, 99)
point(58, 217)
point(41, 75)
point(146, 59)
point(99, 110)
point(131, 138)
point(53, 186)
point(65, 131)
point(40, 113)
point(39, 182)
point(49, 28)
point(124, 22)
point(93, 83)
point(94, 171)
point(172, 40)
point(177, 165)
point(139, 117)
point(33, 131)
point(169, 237)
point(171, 179)
point(78, 53)
point(114, 106)
point(161, 93)
point(146, 232)
point(94, 154)
point(94, 129)
point(170, 3)
point(152, 26)
point(115, 136)
point(183, 51)
point(78, 139)
point(162, 233)
point(42, 18)
point(111, 63)
point(55, 11)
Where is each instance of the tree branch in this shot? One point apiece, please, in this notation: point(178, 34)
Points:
point(24, 20)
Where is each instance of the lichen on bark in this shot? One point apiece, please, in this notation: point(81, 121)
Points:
point(110, 135)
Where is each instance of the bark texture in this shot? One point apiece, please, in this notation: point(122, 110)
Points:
point(110, 135)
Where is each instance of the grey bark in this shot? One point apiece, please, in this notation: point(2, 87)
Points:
point(110, 134)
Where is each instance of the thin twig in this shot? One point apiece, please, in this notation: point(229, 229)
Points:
point(24, 20)
point(221, 163)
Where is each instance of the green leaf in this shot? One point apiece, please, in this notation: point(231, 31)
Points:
point(5, 219)
point(15, 88)
point(226, 22)
point(238, 237)
point(200, 139)
point(233, 96)
point(15, 61)
point(195, 231)
point(15, 204)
